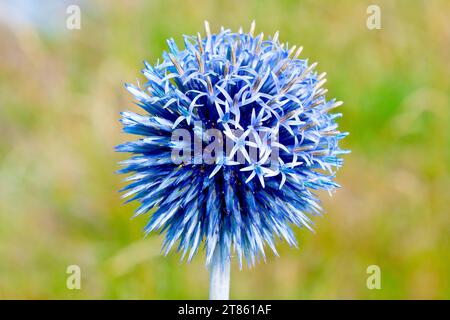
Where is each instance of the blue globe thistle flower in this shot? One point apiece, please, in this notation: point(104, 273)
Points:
point(231, 82)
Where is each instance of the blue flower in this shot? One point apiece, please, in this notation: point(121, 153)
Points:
point(262, 97)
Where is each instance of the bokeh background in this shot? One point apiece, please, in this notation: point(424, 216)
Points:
point(60, 94)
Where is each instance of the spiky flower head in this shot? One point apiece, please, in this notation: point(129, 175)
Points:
point(270, 105)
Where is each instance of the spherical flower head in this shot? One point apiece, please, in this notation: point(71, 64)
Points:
point(235, 137)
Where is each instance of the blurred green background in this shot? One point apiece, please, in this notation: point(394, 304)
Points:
point(60, 94)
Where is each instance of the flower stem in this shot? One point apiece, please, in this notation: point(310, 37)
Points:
point(219, 285)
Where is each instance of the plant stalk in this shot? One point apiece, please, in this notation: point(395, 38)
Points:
point(219, 281)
